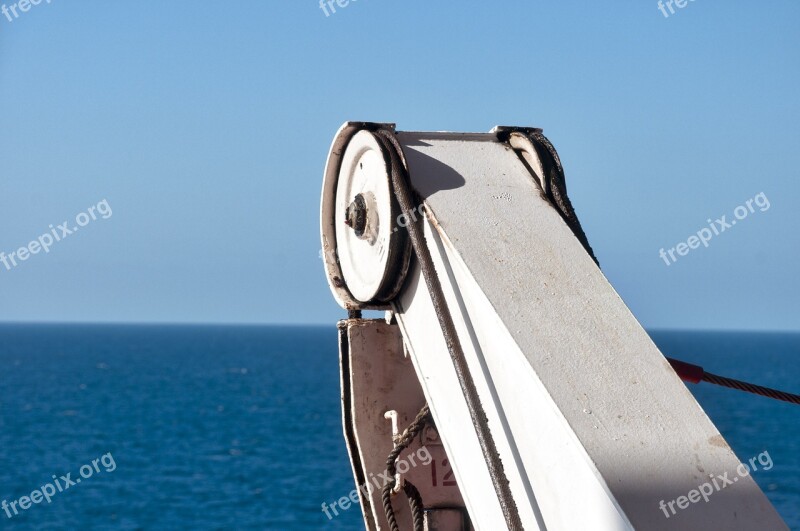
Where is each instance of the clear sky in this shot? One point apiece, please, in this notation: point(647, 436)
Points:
point(206, 125)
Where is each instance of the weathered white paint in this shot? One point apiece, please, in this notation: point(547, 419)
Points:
point(593, 426)
point(585, 409)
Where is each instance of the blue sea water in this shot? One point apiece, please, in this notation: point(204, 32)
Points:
point(239, 427)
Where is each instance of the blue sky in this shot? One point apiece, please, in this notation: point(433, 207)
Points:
point(205, 126)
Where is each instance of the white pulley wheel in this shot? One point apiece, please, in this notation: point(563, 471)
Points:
point(369, 241)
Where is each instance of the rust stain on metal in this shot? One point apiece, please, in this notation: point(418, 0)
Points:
point(717, 441)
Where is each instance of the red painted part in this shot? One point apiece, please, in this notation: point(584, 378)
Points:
point(687, 371)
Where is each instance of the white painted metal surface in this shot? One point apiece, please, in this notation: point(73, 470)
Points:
point(602, 426)
point(593, 426)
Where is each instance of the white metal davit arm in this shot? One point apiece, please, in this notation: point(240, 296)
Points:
point(551, 407)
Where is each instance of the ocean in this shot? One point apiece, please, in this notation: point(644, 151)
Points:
point(189, 427)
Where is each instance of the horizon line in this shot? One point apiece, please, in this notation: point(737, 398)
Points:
point(219, 324)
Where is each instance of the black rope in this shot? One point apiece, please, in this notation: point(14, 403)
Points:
point(401, 442)
point(415, 502)
point(479, 419)
point(557, 187)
